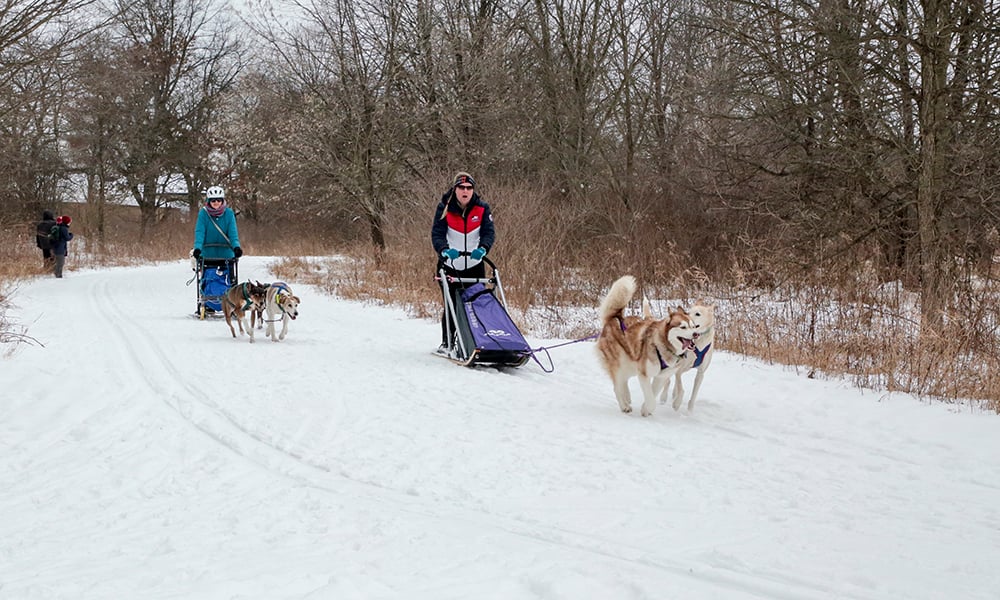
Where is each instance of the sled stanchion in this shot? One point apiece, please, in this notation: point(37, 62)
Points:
point(448, 308)
point(496, 276)
point(450, 317)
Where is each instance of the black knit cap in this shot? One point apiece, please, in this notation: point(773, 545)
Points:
point(463, 178)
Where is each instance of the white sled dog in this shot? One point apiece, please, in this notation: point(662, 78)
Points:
point(279, 305)
point(703, 317)
point(647, 348)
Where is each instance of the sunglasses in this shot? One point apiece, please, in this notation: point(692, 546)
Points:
point(464, 187)
point(215, 200)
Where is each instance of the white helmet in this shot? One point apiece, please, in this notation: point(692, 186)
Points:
point(215, 191)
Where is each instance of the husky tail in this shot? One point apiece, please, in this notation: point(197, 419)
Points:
point(618, 297)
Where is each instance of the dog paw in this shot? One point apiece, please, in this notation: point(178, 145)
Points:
point(677, 403)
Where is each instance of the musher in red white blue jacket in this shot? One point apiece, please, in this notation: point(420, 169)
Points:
point(463, 224)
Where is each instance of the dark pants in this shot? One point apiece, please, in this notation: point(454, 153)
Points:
point(60, 261)
point(478, 271)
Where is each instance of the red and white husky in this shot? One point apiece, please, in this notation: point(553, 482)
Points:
point(647, 348)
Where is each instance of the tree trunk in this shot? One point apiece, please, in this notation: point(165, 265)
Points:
point(935, 259)
point(147, 206)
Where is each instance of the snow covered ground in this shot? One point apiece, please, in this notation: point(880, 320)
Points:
point(146, 454)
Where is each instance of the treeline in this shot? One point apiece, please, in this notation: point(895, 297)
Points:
point(761, 143)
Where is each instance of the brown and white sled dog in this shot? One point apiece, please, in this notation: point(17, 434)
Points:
point(279, 305)
point(703, 318)
point(240, 299)
point(647, 348)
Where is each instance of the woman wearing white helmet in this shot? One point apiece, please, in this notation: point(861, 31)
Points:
point(215, 234)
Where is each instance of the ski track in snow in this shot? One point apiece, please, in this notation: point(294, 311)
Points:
point(163, 459)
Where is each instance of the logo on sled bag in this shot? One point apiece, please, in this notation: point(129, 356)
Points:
point(497, 333)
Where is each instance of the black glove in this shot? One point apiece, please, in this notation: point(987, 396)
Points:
point(238, 251)
point(196, 253)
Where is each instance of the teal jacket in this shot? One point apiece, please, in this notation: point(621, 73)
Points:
point(209, 239)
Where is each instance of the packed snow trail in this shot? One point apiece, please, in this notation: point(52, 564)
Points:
point(144, 453)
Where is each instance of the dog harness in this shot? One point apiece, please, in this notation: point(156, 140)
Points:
point(246, 295)
point(700, 356)
point(281, 286)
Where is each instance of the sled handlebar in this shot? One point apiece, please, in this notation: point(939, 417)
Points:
point(486, 259)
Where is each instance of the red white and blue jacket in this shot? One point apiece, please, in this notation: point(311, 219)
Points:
point(462, 230)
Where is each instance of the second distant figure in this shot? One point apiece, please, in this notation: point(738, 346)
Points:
point(59, 238)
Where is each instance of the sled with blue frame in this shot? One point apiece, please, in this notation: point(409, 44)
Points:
point(214, 277)
point(478, 326)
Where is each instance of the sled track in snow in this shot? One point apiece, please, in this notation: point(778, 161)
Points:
point(153, 368)
point(158, 371)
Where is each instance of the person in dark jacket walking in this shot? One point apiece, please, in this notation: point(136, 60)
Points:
point(42, 231)
point(61, 236)
point(462, 234)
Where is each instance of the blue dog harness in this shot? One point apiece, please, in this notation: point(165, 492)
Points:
point(281, 286)
point(700, 356)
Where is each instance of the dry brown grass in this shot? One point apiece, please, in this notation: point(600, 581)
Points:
point(554, 276)
point(869, 334)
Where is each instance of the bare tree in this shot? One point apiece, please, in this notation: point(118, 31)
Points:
point(34, 38)
point(345, 142)
point(572, 41)
point(22, 19)
point(179, 57)
point(864, 118)
point(93, 114)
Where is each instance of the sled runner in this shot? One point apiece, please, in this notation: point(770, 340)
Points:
point(480, 330)
point(214, 277)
